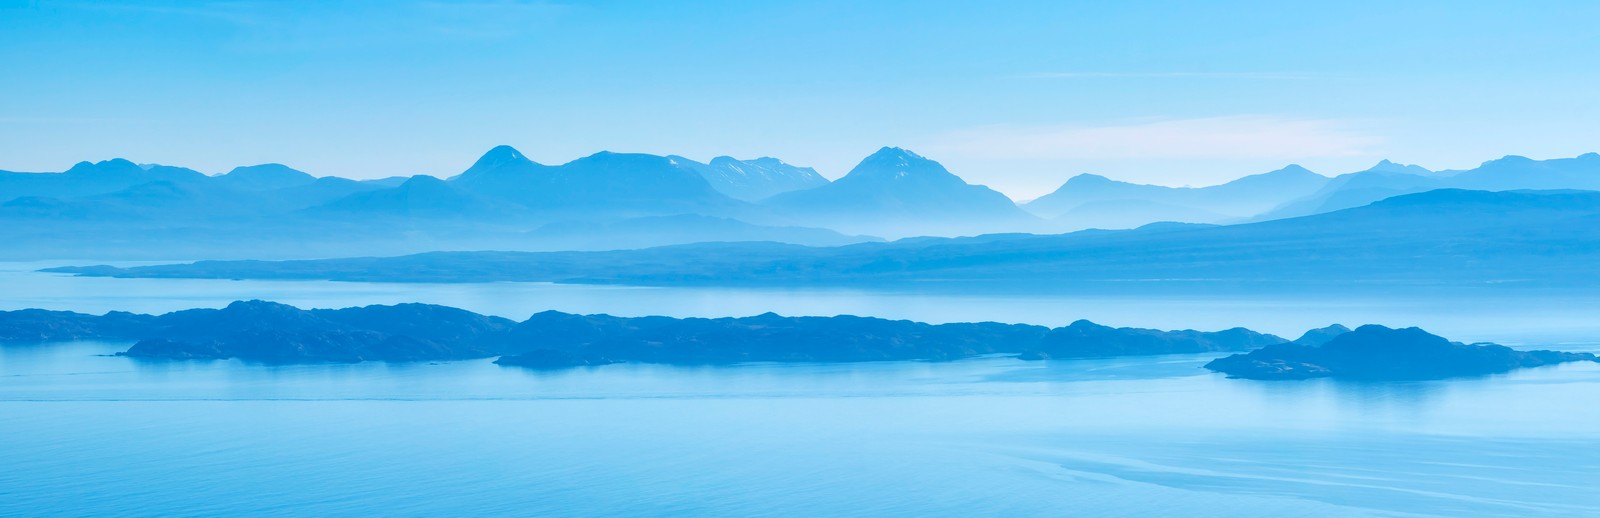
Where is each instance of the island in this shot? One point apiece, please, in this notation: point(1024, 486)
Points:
point(39, 325)
point(1378, 353)
point(273, 333)
point(1085, 339)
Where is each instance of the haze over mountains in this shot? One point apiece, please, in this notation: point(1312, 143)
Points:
point(1387, 180)
point(1093, 201)
point(1540, 240)
point(506, 201)
point(902, 192)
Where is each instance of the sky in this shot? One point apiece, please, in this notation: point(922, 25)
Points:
point(1019, 96)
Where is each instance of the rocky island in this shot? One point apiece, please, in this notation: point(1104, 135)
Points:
point(1378, 353)
point(268, 332)
point(1085, 339)
point(272, 333)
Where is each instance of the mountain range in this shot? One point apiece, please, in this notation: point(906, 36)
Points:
point(1388, 180)
point(1093, 201)
point(752, 180)
point(900, 193)
point(1539, 240)
point(506, 201)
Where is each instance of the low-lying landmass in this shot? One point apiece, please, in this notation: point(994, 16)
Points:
point(272, 333)
point(269, 332)
point(1378, 353)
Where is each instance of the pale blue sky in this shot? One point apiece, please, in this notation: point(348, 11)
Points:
point(1016, 95)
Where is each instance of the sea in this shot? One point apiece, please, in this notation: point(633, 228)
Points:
point(87, 433)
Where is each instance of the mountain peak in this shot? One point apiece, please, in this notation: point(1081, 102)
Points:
point(892, 163)
point(499, 156)
point(752, 180)
point(1293, 169)
point(1319, 336)
point(1508, 160)
point(895, 153)
point(421, 181)
point(773, 162)
point(1083, 178)
point(115, 165)
point(1386, 166)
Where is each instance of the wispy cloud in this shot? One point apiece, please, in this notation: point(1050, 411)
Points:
point(1266, 76)
point(1234, 137)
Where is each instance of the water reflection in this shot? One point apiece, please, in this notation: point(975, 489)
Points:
point(1525, 319)
point(1113, 436)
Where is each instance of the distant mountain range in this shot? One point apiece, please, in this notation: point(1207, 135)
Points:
point(900, 193)
point(505, 201)
point(604, 184)
point(117, 208)
point(1092, 201)
point(1388, 180)
point(1443, 238)
point(752, 180)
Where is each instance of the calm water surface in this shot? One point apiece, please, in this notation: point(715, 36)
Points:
point(84, 433)
point(1566, 321)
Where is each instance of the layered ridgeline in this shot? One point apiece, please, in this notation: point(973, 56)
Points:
point(117, 208)
point(268, 332)
point(503, 201)
point(753, 180)
point(1501, 240)
point(1387, 180)
point(896, 192)
point(1092, 201)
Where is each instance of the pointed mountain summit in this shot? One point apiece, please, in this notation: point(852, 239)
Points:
point(901, 166)
point(897, 192)
point(501, 156)
point(752, 180)
point(504, 172)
